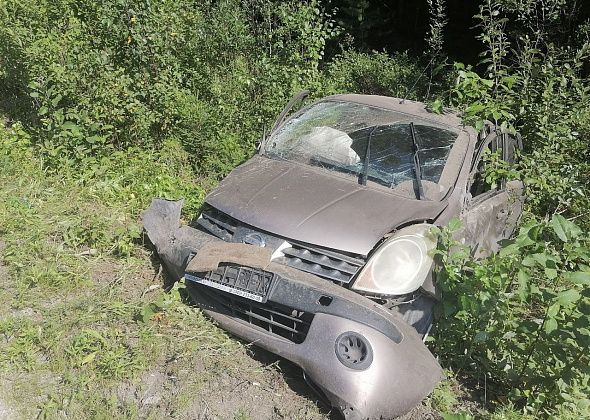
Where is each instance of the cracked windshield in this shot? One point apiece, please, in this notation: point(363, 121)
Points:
point(345, 137)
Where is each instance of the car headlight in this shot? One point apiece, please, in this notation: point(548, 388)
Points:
point(401, 264)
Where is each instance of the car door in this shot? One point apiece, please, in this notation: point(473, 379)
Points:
point(491, 213)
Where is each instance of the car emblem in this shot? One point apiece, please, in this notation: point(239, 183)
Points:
point(254, 239)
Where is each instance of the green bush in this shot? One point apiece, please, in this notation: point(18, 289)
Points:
point(377, 74)
point(541, 93)
point(89, 78)
point(94, 205)
point(93, 77)
point(521, 319)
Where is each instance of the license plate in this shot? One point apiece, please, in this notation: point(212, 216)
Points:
point(246, 282)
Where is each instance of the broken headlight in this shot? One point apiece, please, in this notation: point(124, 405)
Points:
point(400, 265)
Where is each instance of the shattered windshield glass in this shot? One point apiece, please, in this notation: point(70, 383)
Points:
point(334, 135)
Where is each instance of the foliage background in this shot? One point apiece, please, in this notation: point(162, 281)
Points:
point(122, 100)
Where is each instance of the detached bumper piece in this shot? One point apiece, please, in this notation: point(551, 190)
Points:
point(365, 360)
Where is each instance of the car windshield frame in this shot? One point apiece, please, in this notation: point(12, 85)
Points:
point(334, 135)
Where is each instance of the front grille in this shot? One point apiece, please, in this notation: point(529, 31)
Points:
point(279, 320)
point(323, 263)
point(218, 223)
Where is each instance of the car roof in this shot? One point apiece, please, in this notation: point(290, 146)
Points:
point(405, 106)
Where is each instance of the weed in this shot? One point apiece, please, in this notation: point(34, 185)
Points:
point(21, 349)
point(444, 397)
point(241, 414)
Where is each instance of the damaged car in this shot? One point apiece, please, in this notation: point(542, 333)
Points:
point(318, 248)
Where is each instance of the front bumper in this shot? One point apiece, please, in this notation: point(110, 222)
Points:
point(401, 371)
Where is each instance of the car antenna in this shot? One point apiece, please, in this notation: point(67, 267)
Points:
point(416, 159)
point(416, 82)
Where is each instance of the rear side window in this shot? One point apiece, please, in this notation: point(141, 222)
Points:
point(506, 148)
point(479, 185)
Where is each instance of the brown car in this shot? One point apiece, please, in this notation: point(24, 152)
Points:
point(318, 248)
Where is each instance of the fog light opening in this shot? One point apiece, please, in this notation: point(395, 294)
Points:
point(354, 351)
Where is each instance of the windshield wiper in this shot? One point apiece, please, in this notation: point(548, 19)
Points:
point(368, 156)
point(417, 170)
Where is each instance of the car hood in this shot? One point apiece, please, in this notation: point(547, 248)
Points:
point(315, 206)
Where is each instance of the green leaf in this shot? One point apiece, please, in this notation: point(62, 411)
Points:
point(528, 261)
point(551, 273)
point(583, 404)
point(579, 277)
point(509, 249)
point(568, 296)
point(72, 128)
point(550, 325)
point(559, 227)
point(487, 82)
point(88, 358)
point(147, 312)
point(56, 100)
point(553, 310)
point(563, 228)
point(68, 125)
point(523, 282)
point(541, 258)
point(449, 309)
point(480, 337)
point(93, 139)
point(437, 106)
